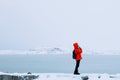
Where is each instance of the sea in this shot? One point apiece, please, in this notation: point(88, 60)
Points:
point(59, 63)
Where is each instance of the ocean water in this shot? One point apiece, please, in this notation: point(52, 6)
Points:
point(59, 63)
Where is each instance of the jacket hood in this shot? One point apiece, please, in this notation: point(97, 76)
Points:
point(75, 45)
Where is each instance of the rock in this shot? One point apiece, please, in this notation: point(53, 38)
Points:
point(85, 77)
point(15, 77)
point(29, 73)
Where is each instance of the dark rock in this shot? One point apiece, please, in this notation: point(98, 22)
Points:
point(99, 76)
point(29, 73)
point(111, 76)
point(15, 77)
point(85, 77)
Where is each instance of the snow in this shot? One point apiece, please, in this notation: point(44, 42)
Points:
point(43, 50)
point(55, 50)
point(69, 76)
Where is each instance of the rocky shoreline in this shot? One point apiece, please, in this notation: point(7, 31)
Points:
point(18, 77)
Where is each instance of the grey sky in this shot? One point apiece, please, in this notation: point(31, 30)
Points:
point(94, 24)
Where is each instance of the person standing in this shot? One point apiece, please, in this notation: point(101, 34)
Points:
point(78, 52)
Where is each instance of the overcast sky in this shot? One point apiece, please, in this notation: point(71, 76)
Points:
point(26, 24)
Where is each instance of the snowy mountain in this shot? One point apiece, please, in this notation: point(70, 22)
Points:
point(43, 50)
point(56, 50)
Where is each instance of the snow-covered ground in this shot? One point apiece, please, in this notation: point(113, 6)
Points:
point(78, 77)
point(64, 76)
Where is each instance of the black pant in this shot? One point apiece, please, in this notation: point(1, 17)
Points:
point(76, 67)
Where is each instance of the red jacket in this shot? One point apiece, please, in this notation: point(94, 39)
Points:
point(78, 51)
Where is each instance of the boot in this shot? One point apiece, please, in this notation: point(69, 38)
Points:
point(76, 73)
